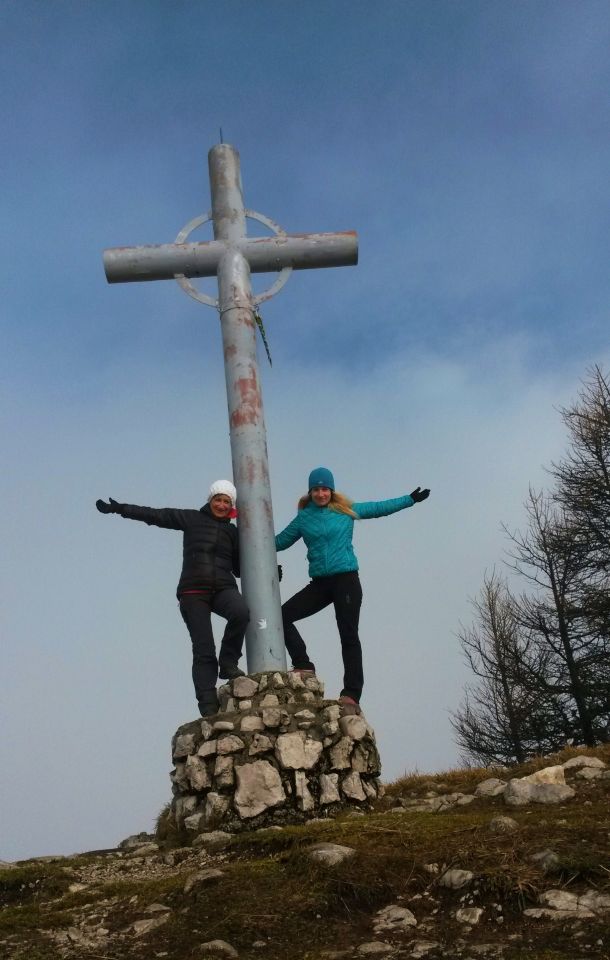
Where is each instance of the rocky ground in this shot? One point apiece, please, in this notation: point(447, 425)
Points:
point(468, 864)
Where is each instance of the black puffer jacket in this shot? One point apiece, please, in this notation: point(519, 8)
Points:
point(210, 553)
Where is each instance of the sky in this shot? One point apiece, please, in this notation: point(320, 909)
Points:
point(468, 143)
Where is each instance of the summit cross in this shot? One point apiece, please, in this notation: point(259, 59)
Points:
point(232, 256)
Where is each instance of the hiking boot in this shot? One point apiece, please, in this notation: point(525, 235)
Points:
point(350, 706)
point(229, 671)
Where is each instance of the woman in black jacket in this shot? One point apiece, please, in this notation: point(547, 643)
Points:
point(207, 583)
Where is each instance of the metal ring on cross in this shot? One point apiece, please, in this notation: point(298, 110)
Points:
point(196, 294)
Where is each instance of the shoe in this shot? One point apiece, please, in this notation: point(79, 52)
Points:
point(303, 672)
point(229, 671)
point(350, 706)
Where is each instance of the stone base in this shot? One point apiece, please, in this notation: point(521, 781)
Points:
point(276, 753)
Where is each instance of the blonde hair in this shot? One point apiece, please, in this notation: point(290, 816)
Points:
point(338, 502)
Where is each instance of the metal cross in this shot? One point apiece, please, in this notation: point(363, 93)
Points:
point(232, 256)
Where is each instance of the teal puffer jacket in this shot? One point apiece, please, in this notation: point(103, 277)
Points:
point(328, 534)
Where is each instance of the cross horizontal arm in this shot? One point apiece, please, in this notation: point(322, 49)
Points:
point(264, 255)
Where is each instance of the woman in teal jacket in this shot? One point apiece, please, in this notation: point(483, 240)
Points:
point(325, 521)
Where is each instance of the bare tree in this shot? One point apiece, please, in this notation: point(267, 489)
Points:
point(541, 660)
point(572, 661)
point(582, 481)
point(501, 719)
point(583, 475)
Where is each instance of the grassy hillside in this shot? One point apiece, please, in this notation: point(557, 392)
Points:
point(264, 896)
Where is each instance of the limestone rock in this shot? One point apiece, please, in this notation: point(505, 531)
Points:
point(207, 749)
point(197, 773)
point(206, 729)
point(519, 793)
point(230, 744)
point(597, 902)
point(589, 773)
point(369, 789)
point(393, 918)
point(193, 823)
point(301, 789)
point(216, 805)
point(564, 905)
point(272, 716)
point(184, 745)
point(546, 775)
point(421, 948)
point(576, 763)
point(545, 913)
point(202, 878)
point(260, 744)
point(219, 948)
point(306, 714)
point(178, 776)
point(269, 700)
point(259, 787)
point(223, 772)
point(183, 807)
point(332, 712)
point(351, 786)
point(490, 788)
point(330, 728)
point(456, 879)
point(563, 900)
point(295, 681)
point(142, 927)
point(223, 726)
point(469, 915)
point(296, 751)
point(329, 788)
point(213, 841)
point(244, 687)
point(146, 850)
point(330, 853)
point(354, 727)
point(314, 685)
point(251, 724)
point(340, 754)
point(157, 908)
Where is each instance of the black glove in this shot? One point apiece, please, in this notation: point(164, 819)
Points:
point(418, 494)
point(111, 507)
point(280, 572)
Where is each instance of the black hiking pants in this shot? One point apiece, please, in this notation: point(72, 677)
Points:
point(197, 610)
point(343, 590)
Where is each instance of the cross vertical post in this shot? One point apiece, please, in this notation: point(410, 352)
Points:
point(264, 637)
point(232, 256)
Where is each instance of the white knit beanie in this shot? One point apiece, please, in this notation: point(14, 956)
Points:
point(223, 486)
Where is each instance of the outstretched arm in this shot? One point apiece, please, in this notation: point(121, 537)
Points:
point(369, 509)
point(167, 517)
point(289, 535)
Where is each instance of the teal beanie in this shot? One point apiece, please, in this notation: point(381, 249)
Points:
point(321, 477)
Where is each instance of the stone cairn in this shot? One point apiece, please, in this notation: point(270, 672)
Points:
point(276, 753)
